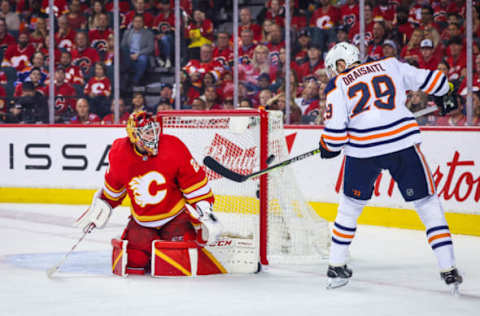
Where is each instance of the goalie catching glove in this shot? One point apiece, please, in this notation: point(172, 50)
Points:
point(97, 214)
point(211, 228)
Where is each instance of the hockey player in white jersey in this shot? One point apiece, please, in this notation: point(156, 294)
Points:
point(366, 116)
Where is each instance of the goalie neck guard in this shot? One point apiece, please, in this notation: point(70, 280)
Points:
point(144, 131)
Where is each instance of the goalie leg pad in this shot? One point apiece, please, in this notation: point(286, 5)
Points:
point(119, 257)
point(182, 258)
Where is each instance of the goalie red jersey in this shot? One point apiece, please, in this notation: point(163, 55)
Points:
point(158, 186)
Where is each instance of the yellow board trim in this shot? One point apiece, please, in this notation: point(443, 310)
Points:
point(467, 224)
point(214, 260)
point(116, 260)
point(172, 262)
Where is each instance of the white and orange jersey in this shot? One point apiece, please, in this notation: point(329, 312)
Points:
point(158, 186)
point(366, 113)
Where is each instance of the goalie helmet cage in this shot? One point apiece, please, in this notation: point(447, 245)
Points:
point(270, 208)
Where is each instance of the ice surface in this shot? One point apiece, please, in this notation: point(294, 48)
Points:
point(395, 273)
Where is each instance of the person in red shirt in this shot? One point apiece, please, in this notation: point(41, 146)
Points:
point(275, 43)
point(246, 23)
point(375, 47)
point(73, 74)
point(98, 89)
point(384, 11)
point(83, 55)
point(326, 17)
point(99, 36)
point(314, 62)
point(428, 60)
point(65, 97)
point(199, 32)
point(303, 41)
point(457, 59)
point(349, 13)
point(18, 55)
point(160, 176)
point(354, 33)
point(276, 13)
point(60, 7)
point(83, 115)
point(163, 27)
point(246, 47)
point(5, 38)
point(75, 17)
point(65, 36)
point(411, 51)
point(222, 52)
point(196, 69)
point(404, 27)
point(35, 78)
point(139, 10)
point(122, 113)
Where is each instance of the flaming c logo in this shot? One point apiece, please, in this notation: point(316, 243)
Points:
point(141, 188)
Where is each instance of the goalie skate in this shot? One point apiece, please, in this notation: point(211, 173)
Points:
point(338, 276)
point(453, 279)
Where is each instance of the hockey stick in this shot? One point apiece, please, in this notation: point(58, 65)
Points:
point(55, 268)
point(237, 177)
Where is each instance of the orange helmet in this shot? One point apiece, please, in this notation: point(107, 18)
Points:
point(144, 130)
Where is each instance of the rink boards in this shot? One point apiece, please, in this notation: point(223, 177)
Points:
point(66, 165)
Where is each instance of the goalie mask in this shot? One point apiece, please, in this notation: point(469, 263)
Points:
point(144, 130)
point(342, 51)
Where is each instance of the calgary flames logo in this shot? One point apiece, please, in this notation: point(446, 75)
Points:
point(143, 191)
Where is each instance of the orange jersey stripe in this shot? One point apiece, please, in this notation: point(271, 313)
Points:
point(339, 234)
point(380, 135)
point(427, 169)
point(335, 137)
point(438, 237)
point(439, 74)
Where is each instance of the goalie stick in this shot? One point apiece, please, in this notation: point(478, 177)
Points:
point(55, 268)
point(237, 177)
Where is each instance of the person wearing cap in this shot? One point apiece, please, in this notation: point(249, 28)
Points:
point(342, 34)
point(457, 59)
point(428, 60)
point(313, 63)
point(303, 41)
point(389, 48)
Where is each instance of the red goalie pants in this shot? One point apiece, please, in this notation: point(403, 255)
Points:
point(140, 238)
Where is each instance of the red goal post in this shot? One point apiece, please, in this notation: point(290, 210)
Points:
point(269, 209)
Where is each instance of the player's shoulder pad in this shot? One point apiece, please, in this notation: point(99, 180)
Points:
point(330, 85)
point(120, 144)
point(170, 141)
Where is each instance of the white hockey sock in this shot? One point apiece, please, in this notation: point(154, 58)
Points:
point(438, 234)
point(344, 229)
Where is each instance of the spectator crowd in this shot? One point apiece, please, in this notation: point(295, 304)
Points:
point(429, 34)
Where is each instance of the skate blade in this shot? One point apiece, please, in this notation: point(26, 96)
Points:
point(334, 283)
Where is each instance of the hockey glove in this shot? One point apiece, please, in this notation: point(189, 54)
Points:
point(98, 213)
point(448, 102)
point(325, 153)
point(211, 228)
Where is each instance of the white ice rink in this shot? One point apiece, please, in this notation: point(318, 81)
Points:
point(395, 273)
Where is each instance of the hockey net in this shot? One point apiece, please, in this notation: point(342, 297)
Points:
point(269, 209)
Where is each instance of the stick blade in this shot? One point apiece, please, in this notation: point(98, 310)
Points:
point(51, 271)
point(221, 170)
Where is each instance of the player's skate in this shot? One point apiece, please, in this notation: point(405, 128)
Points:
point(453, 279)
point(338, 276)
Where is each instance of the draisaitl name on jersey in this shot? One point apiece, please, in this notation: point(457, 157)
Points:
point(360, 71)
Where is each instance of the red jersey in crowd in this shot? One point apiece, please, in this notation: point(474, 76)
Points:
point(245, 53)
point(99, 39)
point(19, 89)
point(110, 118)
point(98, 86)
point(85, 58)
point(6, 41)
point(431, 64)
point(17, 57)
point(158, 186)
point(349, 14)
point(275, 52)
point(147, 19)
point(64, 97)
point(92, 119)
point(123, 6)
point(354, 33)
point(326, 17)
point(65, 41)
point(73, 75)
point(386, 12)
point(60, 7)
point(456, 66)
point(306, 70)
point(196, 65)
point(206, 29)
point(164, 23)
point(223, 56)
point(256, 29)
